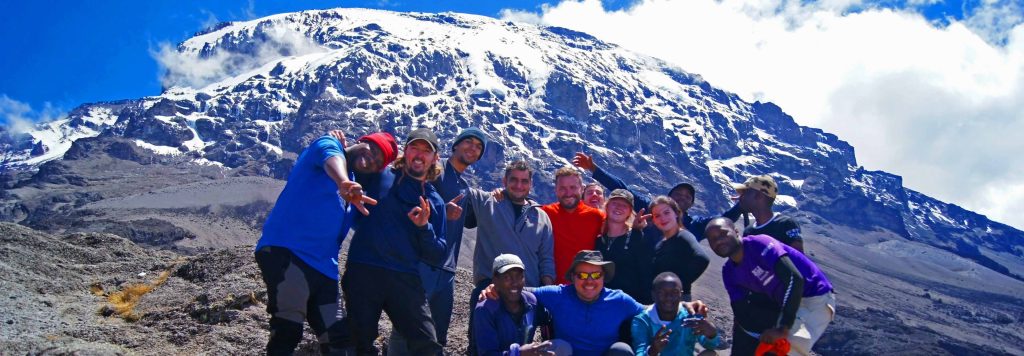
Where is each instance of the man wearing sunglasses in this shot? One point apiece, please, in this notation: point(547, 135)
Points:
point(592, 319)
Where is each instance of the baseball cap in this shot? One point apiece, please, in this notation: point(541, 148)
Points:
point(425, 135)
point(763, 183)
point(505, 262)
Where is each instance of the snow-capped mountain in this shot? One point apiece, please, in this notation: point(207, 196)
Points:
point(542, 93)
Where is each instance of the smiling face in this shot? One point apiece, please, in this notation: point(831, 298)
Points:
point(665, 218)
point(618, 211)
point(588, 290)
point(468, 151)
point(568, 190)
point(419, 156)
point(365, 157)
point(723, 237)
point(593, 196)
point(510, 284)
point(667, 294)
point(518, 184)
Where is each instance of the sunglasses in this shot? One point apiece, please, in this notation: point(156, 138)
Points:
point(591, 275)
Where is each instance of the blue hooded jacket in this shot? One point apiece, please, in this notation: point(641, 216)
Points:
point(386, 237)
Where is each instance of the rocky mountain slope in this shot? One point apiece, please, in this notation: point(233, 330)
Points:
point(196, 169)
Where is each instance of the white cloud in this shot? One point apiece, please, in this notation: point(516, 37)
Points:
point(994, 19)
point(190, 70)
point(19, 117)
point(943, 106)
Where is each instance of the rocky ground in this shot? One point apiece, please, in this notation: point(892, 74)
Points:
point(88, 230)
point(57, 297)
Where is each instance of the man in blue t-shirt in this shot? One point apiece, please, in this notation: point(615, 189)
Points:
point(298, 251)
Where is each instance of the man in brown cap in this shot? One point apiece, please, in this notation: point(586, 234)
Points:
point(756, 196)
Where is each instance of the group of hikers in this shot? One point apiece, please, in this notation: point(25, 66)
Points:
point(596, 274)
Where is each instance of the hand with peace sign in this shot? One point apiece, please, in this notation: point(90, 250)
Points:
point(452, 209)
point(641, 219)
point(420, 215)
point(660, 341)
point(352, 192)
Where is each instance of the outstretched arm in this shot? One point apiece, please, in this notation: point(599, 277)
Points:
point(608, 180)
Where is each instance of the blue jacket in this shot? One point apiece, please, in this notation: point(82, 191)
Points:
point(591, 328)
point(680, 342)
point(387, 238)
point(694, 224)
point(309, 218)
point(497, 332)
point(450, 185)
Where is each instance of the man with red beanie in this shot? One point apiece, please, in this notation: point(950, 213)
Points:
point(298, 250)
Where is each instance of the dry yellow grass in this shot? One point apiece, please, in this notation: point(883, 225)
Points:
point(123, 302)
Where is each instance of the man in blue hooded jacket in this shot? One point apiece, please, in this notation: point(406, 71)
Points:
point(439, 279)
point(406, 226)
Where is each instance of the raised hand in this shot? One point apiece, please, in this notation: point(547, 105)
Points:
point(452, 209)
point(641, 219)
point(584, 161)
point(352, 192)
point(488, 293)
point(420, 215)
point(340, 135)
point(660, 340)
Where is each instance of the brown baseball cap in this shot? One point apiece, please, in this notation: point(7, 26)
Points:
point(763, 183)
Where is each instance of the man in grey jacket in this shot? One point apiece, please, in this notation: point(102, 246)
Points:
point(513, 224)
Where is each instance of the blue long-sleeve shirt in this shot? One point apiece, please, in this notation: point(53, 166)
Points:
point(386, 237)
point(591, 328)
point(680, 342)
point(450, 185)
point(694, 224)
point(498, 332)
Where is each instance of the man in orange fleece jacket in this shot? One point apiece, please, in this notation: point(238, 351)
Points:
point(576, 226)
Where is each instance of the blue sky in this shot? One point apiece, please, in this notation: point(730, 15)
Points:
point(926, 89)
point(66, 53)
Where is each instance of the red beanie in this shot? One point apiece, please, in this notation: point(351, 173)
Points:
point(387, 144)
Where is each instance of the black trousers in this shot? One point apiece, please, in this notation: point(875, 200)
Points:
point(370, 290)
point(295, 293)
point(756, 313)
